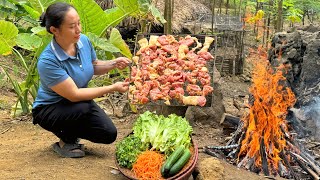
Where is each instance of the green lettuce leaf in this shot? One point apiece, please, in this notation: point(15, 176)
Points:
point(164, 134)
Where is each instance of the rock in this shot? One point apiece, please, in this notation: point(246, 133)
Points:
point(115, 172)
point(292, 53)
point(318, 36)
point(310, 67)
point(300, 51)
point(311, 28)
point(216, 75)
point(207, 115)
point(118, 112)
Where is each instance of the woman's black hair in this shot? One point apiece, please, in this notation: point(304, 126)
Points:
point(54, 15)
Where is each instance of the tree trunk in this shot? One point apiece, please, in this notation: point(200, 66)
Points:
point(213, 14)
point(255, 29)
point(235, 7)
point(279, 18)
point(310, 18)
point(268, 22)
point(168, 10)
point(165, 15)
point(227, 6)
point(240, 15)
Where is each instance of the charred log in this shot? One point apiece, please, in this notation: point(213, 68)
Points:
point(237, 134)
point(223, 147)
point(229, 121)
point(286, 161)
point(213, 153)
point(264, 158)
point(302, 164)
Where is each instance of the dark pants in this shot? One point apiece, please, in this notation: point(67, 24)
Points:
point(72, 120)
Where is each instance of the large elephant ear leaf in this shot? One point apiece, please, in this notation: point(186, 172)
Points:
point(129, 6)
point(8, 34)
point(32, 12)
point(39, 31)
point(8, 5)
point(139, 8)
point(45, 41)
point(146, 7)
point(102, 43)
point(93, 18)
point(40, 5)
point(156, 14)
point(117, 41)
point(115, 16)
point(28, 41)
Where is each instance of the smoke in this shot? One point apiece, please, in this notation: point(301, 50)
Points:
point(312, 112)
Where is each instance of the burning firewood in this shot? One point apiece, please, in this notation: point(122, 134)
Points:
point(263, 141)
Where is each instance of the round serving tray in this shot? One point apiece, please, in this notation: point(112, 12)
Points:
point(183, 174)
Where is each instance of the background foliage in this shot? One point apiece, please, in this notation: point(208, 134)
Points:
point(22, 37)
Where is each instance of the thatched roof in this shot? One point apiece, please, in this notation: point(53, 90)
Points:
point(184, 11)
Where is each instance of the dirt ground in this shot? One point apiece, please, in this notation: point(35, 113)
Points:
point(26, 151)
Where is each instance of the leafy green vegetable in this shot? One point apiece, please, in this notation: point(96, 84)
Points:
point(128, 149)
point(164, 134)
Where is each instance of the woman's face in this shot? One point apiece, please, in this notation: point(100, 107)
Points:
point(70, 29)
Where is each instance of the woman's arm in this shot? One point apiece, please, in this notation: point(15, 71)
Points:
point(102, 67)
point(69, 90)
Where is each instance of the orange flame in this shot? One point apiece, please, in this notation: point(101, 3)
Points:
point(268, 112)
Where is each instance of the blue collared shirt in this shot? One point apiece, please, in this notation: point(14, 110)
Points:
point(55, 65)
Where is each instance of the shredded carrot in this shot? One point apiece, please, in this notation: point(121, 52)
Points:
point(148, 165)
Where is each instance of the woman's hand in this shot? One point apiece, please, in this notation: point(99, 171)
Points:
point(102, 67)
point(121, 62)
point(69, 90)
point(121, 86)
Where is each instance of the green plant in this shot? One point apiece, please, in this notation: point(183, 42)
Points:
point(294, 15)
point(32, 38)
point(34, 44)
point(128, 149)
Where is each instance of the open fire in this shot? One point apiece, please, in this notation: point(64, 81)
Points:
point(265, 125)
point(262, 142)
